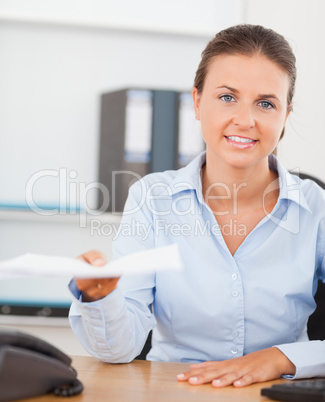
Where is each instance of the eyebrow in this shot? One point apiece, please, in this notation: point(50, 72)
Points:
point(261, 96)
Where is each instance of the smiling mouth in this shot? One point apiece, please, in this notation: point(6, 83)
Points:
point(240, 143)
point(241, 140)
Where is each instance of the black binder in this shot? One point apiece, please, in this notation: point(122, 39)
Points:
point(164, 140)
point(128, 150)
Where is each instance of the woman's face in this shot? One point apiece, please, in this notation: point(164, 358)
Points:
point(242, 108)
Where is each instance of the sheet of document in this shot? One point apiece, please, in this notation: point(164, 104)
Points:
point(157, 259)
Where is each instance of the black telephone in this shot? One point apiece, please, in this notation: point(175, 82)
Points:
point(31, 367)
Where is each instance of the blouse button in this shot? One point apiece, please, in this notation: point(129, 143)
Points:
point(234, 351)
point(235, 293)
point(234, 277)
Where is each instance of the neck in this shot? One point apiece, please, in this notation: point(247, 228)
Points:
point(228, 186)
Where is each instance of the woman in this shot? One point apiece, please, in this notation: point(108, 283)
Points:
point(251, 236)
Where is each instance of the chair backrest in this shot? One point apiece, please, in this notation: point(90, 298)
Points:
point(310, 177)
point(316, 322)
point(146, 348)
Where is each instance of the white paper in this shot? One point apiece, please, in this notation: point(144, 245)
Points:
point(148, 261)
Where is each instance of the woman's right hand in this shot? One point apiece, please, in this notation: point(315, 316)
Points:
point(95, 288)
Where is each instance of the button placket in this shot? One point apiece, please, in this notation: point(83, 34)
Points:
point(236, 347)
point(234, 277)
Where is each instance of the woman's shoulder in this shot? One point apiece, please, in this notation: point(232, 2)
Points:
point(313, 193)
point(159, 182)
point(166, 177)
point(171, 181)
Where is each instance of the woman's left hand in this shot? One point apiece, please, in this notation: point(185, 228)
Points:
point(264, 365)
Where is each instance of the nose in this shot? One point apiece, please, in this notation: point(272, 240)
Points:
point(244, 117)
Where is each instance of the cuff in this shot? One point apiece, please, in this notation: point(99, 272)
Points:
point(308, 357)
point(96, 320)
point(74, 290)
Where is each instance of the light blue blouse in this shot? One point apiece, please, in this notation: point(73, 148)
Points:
point(220, 306)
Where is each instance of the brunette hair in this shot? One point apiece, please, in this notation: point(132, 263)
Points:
point(247, 40)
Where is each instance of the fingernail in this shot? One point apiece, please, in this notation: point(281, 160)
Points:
point(216, 382)
point(181, 376)
point(98, 262)
point(237, 382)
point(193, 379)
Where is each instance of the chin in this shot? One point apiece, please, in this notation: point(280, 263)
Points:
point(244, 161)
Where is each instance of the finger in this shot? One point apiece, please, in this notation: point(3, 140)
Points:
point(246, 379)
point(93, 257)
point(195, 372)
point(195, 369)
point(185, 376)
point(227, 379)
point(197, 377)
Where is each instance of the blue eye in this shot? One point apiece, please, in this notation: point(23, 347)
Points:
point(227, 98)
point(266, 105)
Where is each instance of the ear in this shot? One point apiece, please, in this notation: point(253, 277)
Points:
point(196, 102)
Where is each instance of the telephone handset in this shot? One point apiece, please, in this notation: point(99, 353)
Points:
point(31, 367)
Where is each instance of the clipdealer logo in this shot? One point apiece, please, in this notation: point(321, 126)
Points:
point(158, 198)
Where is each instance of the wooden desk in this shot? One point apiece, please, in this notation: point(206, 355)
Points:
point(148, 382)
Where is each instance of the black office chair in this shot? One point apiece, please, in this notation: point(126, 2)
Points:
point(146, 348)
point(316, 322)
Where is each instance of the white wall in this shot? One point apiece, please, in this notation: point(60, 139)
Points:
point(302, 23)
point(164, 16)
point(51, 79)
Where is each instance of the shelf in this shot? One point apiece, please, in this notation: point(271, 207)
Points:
point(30, 216)
point(34, 321)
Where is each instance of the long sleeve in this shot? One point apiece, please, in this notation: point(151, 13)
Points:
point(115, 328)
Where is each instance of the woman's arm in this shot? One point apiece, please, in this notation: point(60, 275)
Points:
point(112, 321)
